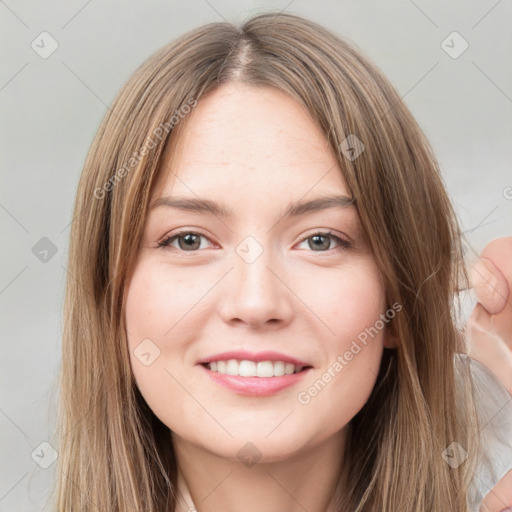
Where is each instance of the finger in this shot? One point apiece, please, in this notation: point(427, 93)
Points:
point(490, 285)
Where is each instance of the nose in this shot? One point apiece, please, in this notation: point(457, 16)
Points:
point(256, 294)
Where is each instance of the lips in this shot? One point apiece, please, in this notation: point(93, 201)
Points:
point(256, 374)
point(255, 386)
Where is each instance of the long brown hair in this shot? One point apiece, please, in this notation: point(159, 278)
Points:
point(115, 454)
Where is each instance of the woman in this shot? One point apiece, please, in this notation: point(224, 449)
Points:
point(264, 260)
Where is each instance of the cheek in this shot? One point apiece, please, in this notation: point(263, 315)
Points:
point(347, 302)
point(353, 311)
point(156, 302)
point(159, 302)
point(164, 313)
point(341, 388)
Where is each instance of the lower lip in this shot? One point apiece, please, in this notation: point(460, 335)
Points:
point(255, 386)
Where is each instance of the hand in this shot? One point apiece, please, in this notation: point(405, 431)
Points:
point(489, 328)
point(489, 336)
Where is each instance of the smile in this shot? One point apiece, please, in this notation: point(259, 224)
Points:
point(254, 374)
point(247, 368)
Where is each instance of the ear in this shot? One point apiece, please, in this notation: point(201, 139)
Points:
point(390, 336)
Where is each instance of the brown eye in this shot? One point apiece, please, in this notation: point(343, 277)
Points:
point(187, 241)
point(322, 242)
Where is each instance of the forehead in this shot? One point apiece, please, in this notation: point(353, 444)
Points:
point(244, 139)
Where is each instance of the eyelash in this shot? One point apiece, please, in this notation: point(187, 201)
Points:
point(166, 242)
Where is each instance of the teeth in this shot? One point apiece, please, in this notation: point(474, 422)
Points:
point(246, 368)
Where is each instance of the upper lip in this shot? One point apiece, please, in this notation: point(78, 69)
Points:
point(253, 356)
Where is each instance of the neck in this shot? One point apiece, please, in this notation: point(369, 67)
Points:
point(305, 481)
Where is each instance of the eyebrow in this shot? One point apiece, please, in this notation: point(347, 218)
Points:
point(294, 209)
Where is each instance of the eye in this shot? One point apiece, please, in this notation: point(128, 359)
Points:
point(322, 240)
point(187, 241)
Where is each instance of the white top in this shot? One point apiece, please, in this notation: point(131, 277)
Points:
point(494, 405)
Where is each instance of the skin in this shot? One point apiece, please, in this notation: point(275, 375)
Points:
point(489, 334)
point(255, 150)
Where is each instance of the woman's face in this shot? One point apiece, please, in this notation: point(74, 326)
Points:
point(248, 280)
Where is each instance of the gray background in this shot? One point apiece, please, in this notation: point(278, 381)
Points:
point(51, 109)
